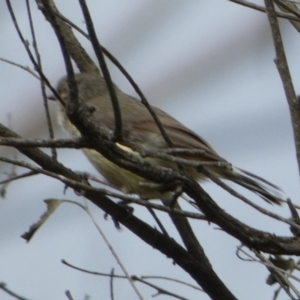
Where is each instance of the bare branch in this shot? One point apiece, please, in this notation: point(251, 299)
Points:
point(110, 86)
point(136, 278)
point(84, 63)
point(285, 284)
point(26, 46)
point(263, 9)
point(112, 284)
point(39, 62)
point(113, 252)
point(69, 296)
point(11, 293)
point(27, 69)
point(160, 291)
point(244, 199)
point(27, 174)
point(290, 7)
point(283, 69)
point(78, 143)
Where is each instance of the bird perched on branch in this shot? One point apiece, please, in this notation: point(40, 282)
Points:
point(140, 129)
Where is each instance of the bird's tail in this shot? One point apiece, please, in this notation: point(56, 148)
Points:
point(266, 190)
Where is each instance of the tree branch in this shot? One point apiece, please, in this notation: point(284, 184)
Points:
point(283, 69)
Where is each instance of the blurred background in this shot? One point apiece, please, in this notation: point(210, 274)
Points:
point(207, 63)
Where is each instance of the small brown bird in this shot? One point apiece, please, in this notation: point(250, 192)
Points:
point(139, 128)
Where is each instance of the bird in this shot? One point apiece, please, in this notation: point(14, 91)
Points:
point(139, 128)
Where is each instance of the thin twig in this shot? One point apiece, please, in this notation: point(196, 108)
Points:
point(76, 143)
point(250, 259)
point(112, 250)
point(287, 8)
point(69, 296)
point(284, 282)
point(21, 176)
point(244, 199)
point(295, 218)
point(82, 60)
point(110, 86)
point(63, 261)
point(40, 67)
point(11, 293)
point(112, 284)
point(157, 220)
point(72, 85)
point(4, 186)
point(284, 72)
point(160, 291)
point(26, 46)
point(65, 180)
point(263, 9)
point(27, 69)
point(13, 170)
point(174, 280)
point(266, 262)
point(135, 278)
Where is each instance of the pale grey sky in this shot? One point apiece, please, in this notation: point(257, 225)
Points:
point(208, 63)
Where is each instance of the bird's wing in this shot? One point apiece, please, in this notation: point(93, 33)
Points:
point(148, 135)
point(140, 128)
